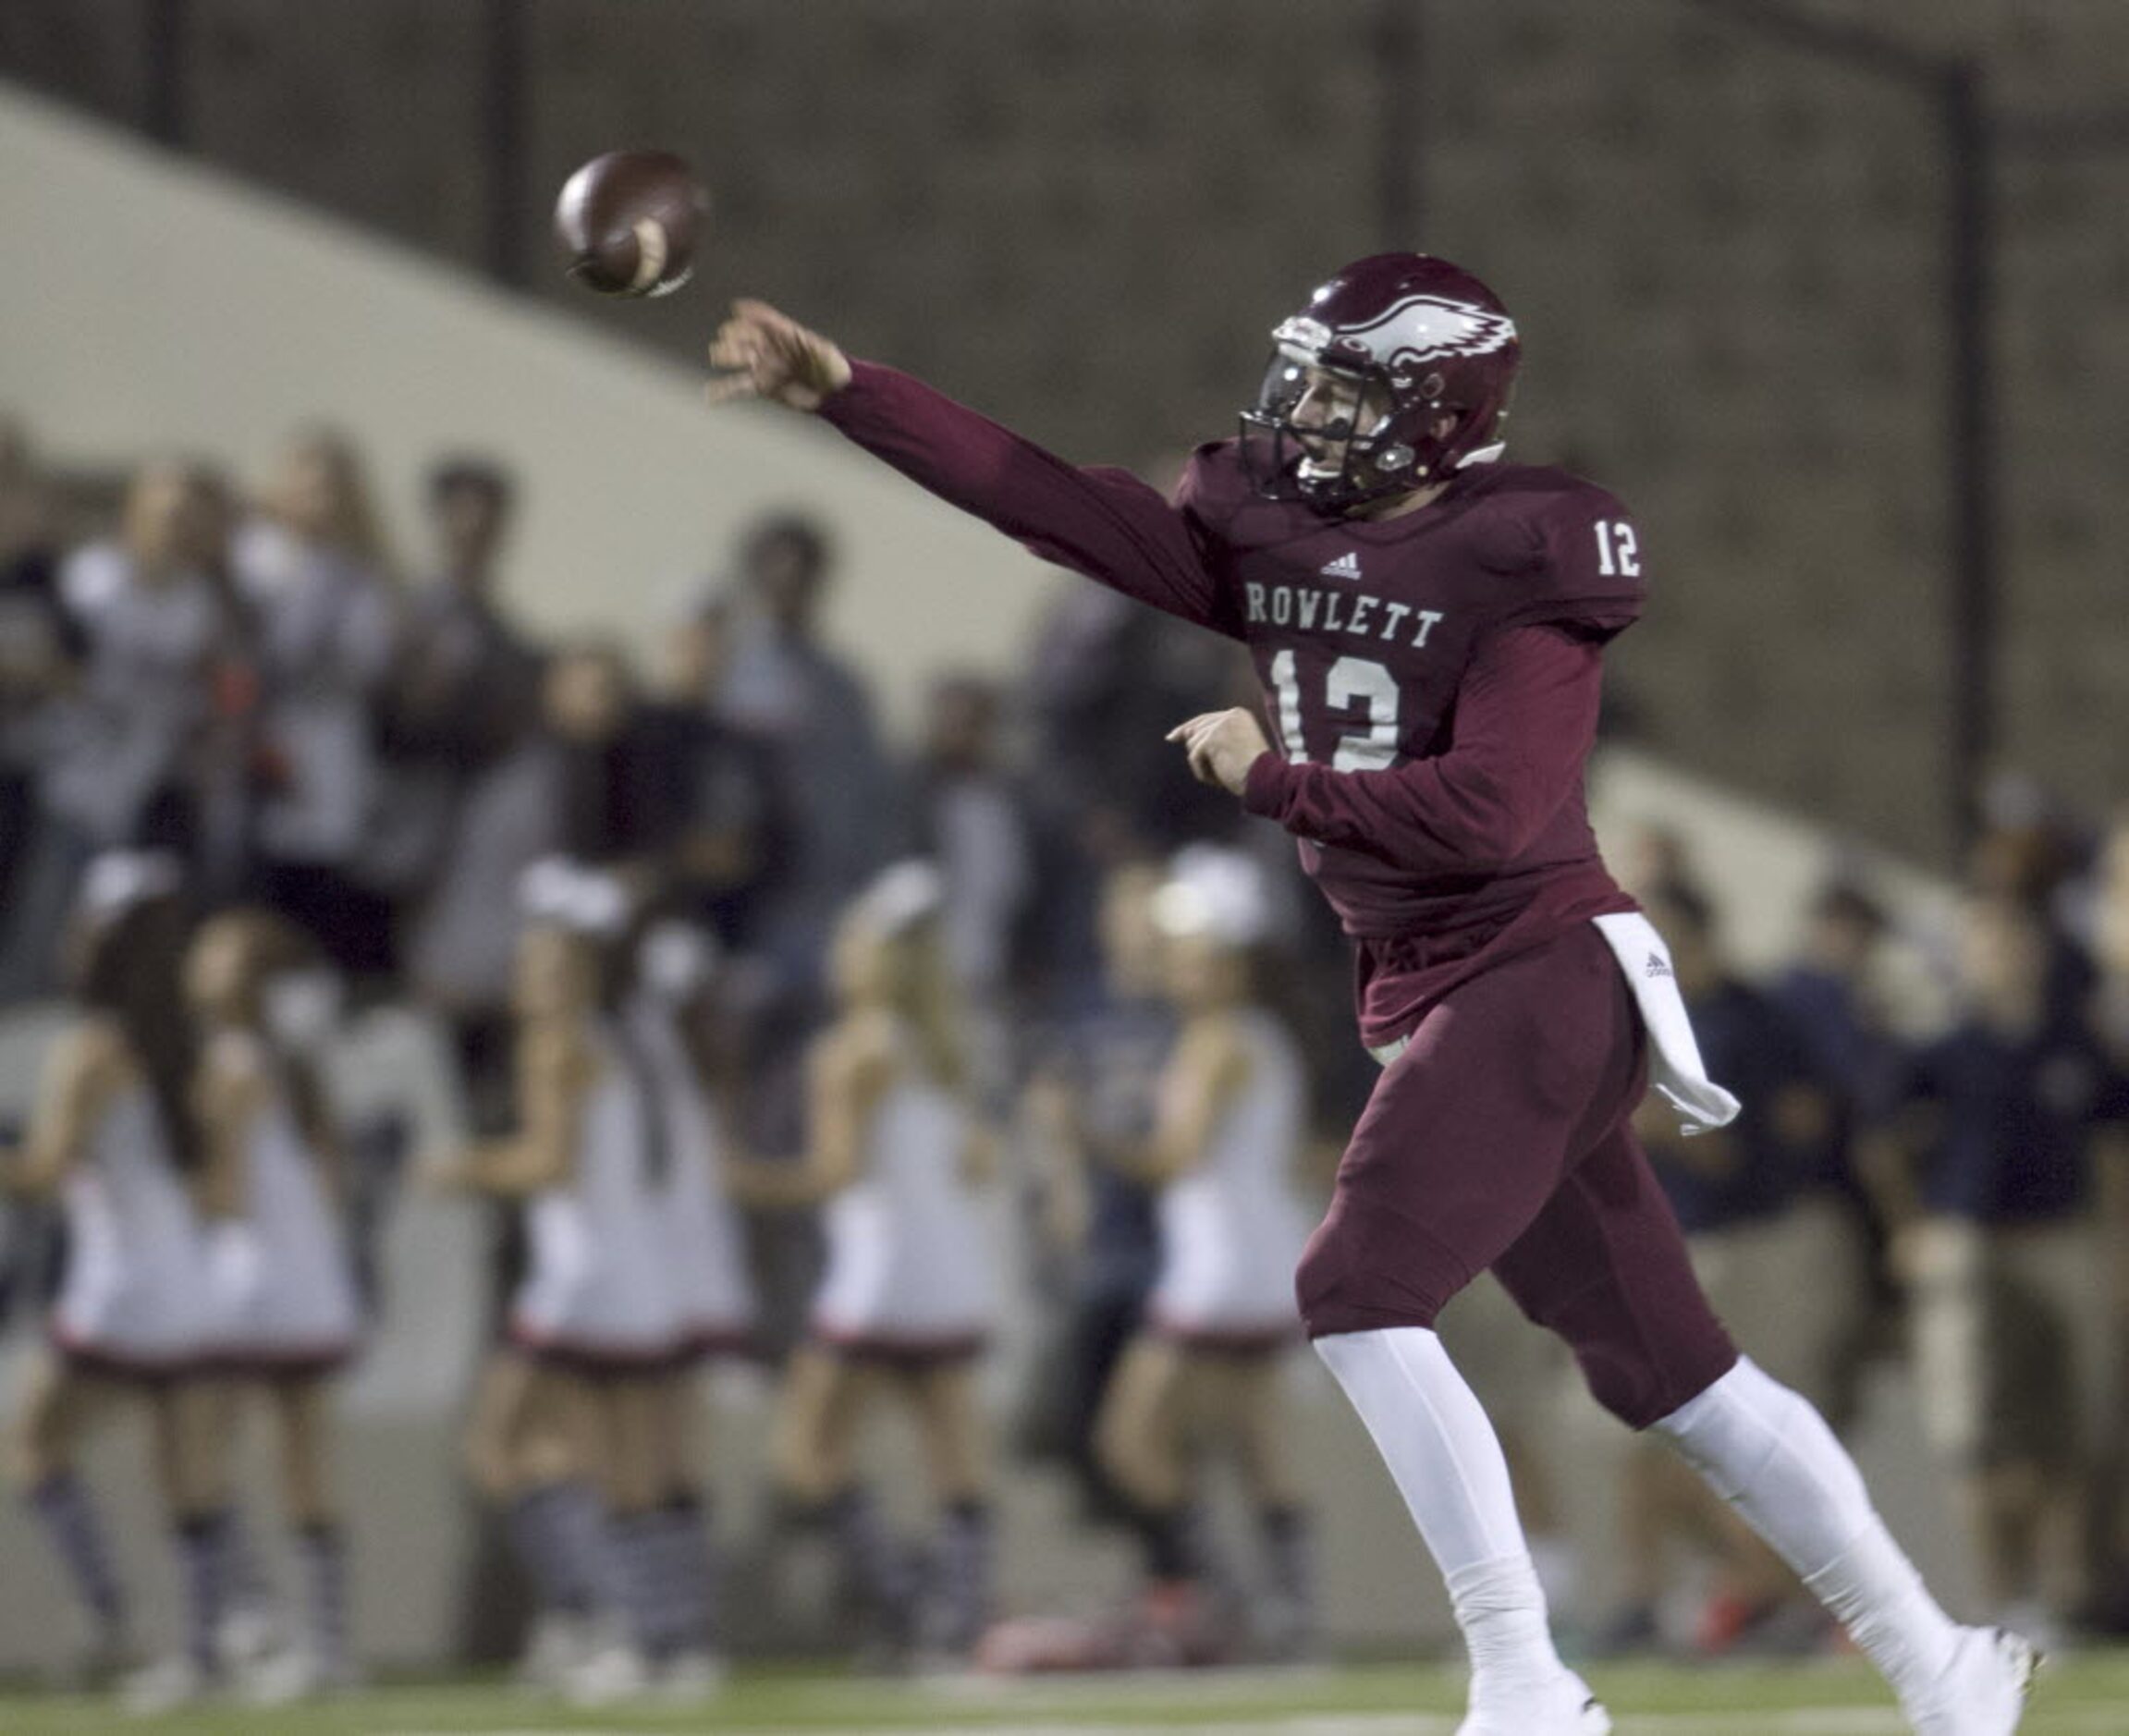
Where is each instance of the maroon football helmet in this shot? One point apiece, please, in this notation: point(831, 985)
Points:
point(1360, 376)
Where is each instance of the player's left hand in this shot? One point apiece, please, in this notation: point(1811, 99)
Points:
point(1222, 746)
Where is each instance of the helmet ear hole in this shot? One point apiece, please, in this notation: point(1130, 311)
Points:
point(1432, 387)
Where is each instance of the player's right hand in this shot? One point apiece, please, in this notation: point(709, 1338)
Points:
point(762, 353)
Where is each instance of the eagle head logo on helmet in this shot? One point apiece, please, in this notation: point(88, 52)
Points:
point(1404, 342)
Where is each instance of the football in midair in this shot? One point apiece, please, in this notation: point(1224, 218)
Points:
point(629, 223)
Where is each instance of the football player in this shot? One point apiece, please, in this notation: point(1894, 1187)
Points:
point(1428, 622)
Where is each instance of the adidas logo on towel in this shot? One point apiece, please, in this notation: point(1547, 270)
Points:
point(1347, 566)
point(1659, 965)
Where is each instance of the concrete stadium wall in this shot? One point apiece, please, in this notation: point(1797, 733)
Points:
point(153, 305)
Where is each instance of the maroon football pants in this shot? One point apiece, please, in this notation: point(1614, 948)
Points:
point(1499, 1139)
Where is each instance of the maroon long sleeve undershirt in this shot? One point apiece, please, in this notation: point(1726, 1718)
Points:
point(1105, 523)
point(1526, 721)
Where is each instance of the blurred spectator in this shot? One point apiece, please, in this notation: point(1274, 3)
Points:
point(815, 713)
point(2027, 847)
point(1829, 992)
point(582, 785)
point(1096, 1244)
point(1772, 1251)
point(1831, 996)
point(1107, 681)
point(716, 781)
point(2108, 1527)
point(2110, 943)
point(2030, 851)
point(968, 817)
point(116, 765)
point(609, 769)
point(462, 938)
point(463, 687)
point(38, 643)
point(1987, 1171)
point(313, 569)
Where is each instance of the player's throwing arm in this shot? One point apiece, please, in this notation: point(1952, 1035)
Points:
point(762, 353)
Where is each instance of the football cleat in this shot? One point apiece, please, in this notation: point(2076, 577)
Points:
point(691, 1677)
point(168, 1685)
point(1565, 1708)
point(288, 1676)
point(609, 1675)
point(1363, 378)
point(1982, 1692)
point(557, 1644)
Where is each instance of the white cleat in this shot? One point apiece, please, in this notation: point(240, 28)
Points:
point(1566, 1708)
point(289, 1678)
point(1983, 1691)
point(168, 1685)
point(691, 1677)
point(608, 1676)
point(557, 1645)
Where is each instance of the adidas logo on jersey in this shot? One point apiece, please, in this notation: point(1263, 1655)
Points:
point(1347, 566)
point(1659, 965)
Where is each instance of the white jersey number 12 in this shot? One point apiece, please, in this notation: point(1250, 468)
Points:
point(1617, 551)
point(1350, 682)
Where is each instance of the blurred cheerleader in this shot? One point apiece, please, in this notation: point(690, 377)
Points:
point(894, 1156)
point(663, 1025)
point(703, 1250)
point(596, 1320)
point(115, 1138)
point(274, 1180)
point(1205, 1368)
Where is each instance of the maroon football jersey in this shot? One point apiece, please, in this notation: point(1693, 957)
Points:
point(1431, 679)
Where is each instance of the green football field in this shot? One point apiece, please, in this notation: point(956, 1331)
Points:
point(2087, 1695)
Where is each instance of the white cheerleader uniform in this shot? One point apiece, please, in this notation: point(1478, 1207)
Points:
point(294, 1308)
point(595, 1293)
point(704, 1249)
point(1230, 1227)
point(134, 1298)
point(907, 1276)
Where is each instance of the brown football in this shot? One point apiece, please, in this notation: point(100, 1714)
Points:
point(629, 223)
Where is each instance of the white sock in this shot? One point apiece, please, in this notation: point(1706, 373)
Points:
point(1768, 1454)
point(1500, 1609)
point(1447, 1463)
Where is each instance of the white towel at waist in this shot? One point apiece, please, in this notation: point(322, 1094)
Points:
point(1674, 1068)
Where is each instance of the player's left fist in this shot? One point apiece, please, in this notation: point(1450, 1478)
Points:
point(1222, 746)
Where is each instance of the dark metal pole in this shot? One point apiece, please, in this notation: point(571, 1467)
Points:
point(1974, 572)
point(169, 28)
point(504, 142)
point(1399, 52)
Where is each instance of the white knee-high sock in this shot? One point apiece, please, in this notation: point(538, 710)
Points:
point(1447, 1464)
point(1767, 1452)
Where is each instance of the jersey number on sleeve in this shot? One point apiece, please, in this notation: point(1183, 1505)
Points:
point(1352, 683)
point(1618, 552)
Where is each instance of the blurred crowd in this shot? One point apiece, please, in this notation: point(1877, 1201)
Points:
point(376, 747)
point(1931, 1169)
point(377, 758)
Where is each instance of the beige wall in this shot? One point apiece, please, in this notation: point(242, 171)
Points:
point(150, 304)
